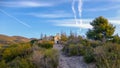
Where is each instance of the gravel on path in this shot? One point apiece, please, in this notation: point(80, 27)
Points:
point(71, 62)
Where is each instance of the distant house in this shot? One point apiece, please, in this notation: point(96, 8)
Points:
point(57, 39)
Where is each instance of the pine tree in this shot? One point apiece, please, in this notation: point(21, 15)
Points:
point(102, 29)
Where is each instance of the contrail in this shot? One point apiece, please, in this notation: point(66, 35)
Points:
point(80, 10)
point(19, 21)
point(73, 9)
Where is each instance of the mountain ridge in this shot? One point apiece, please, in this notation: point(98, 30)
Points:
point(5, 39)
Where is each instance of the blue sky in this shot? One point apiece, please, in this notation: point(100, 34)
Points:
point(30, 18)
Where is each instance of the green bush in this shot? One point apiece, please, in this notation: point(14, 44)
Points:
point(3, 64)
point(32, 42)
point(85, 42)
point(46, 44)
point(74, 50)
point(108, 56)
point(116, 39)
point(52, 58)
point(20, 63)
point(48, 58)
point(89, 56)
point(23, 55)
point(12, 52)
point(90, 43)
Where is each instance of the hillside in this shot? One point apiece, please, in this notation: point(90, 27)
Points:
point(4, 39)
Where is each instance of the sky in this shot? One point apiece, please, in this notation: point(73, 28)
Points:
point(30, 18)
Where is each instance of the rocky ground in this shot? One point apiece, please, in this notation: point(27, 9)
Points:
point(71, 62)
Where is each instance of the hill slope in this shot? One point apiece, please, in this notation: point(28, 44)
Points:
point(4, 39)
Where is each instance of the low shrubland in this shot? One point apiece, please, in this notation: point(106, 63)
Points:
point(103, 54)
point(107, 56)
point(15, 50)
point(29, 55)
point(47, 58)
point(46, 44)
point(73, 50)
point(16, 55)
point(89, 55)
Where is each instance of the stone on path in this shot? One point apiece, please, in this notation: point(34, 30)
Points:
point(71, 62)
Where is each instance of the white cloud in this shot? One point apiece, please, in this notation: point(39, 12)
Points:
point(46, 14)
point(103, 8)
point(50, 15)
point(71, 23)
point(102, 0)
point(84, 25)
point(24, 4)
point(65, 1)
point(113, 1)
point(116, 22)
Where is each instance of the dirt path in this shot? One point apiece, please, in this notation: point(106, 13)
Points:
point(71, 62)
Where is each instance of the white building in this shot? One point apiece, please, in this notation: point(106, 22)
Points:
point(57, 38)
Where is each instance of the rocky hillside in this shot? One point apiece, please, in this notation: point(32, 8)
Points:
point(4, 39)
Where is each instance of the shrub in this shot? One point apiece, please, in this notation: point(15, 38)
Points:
point(46, 44)
point(89, 56)
point(12, 52)
point(52, 58)
point(74, 50)
point(95, 43)
point(32, 42)
point(85, 42)
point(37, 59)
point(3, 64)
point(116, 39)
point(20, 63)
point(108, 56)
point(46, 59)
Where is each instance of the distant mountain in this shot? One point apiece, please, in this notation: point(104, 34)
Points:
point(4, 39)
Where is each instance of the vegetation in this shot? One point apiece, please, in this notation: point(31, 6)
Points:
point(64, 38)
point(104, 55)
point(108, 56)
point(7, 40)
point(101, 48)
point(46, 58)
point(16, 55)
point(102, 30)
point(89, 55)
point(36, 54)
point(116, 39)
point(52, 57)
point(46, 44)
point(73, 50)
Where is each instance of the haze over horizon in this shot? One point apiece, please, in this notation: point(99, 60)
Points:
point(30, 18)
